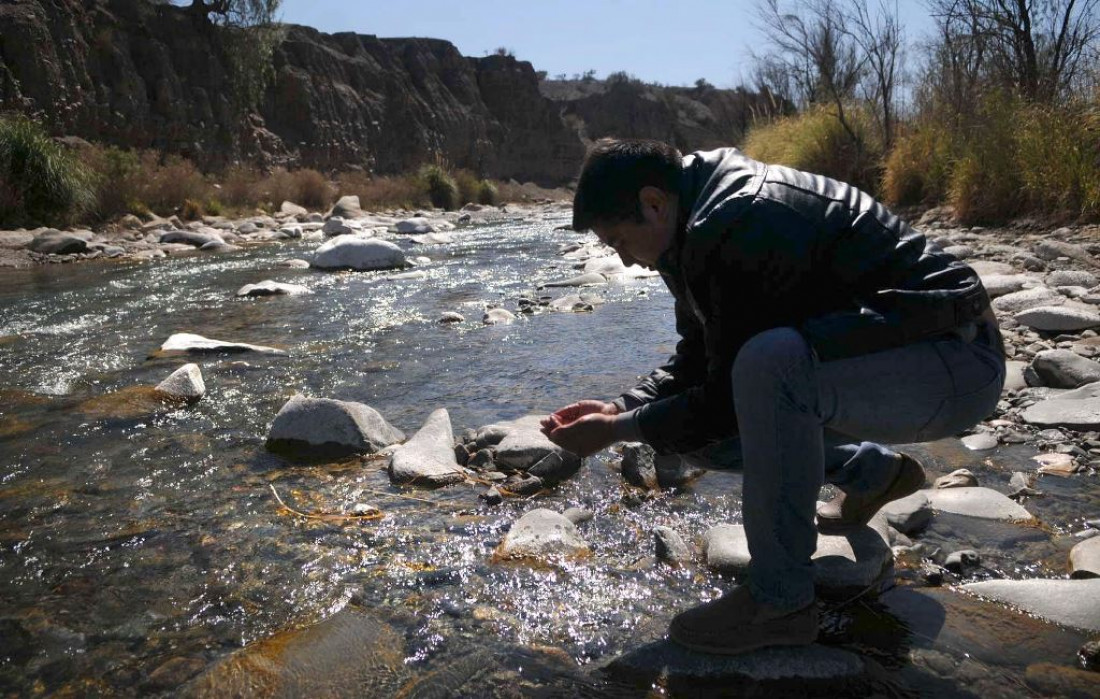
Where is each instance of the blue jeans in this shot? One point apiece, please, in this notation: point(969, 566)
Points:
point(802, 422)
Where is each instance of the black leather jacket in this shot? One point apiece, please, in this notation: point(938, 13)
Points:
point(762, 246)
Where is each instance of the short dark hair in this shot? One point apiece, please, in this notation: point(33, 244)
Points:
point(614, 171)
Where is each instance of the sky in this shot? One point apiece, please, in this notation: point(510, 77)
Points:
point(673, 43)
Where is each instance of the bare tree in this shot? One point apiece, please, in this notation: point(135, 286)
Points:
point(879, 36)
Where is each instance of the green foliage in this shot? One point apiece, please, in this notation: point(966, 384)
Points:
point(248, 34)
point(467, 184)
point(486, 193)
point(816, 141)
point(41, 182)
point(441, 187)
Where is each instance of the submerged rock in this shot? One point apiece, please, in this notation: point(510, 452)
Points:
point(361, 254)
point(332, 426)
point(498, 316)
point(1068, 602)
point(983, 441)
point(273, 288)
point(639, 465)
point(293, 264)
point(451, 317)
point(197, 344)
point(183, 384)
point(428, 458)
point(909, 514)
point(542, 534)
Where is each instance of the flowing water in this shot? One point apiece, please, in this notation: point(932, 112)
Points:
point(130, 540)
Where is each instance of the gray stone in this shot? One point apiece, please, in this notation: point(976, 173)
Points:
point(726, 549)
point(1056, 463)
point(54, 242)
point(675, 471)
point(977, 502)
point(193, 238)
point(1077, 414)
point(336, 425)
point(556, 467)
point(1084, 559)
point(670, 546)
point(407, 276)
point(572, 303)
point(989, 268)
point(1061, 368)
point(639, 468)
point(428, 458)
point(336, 226)
point(1014, 375)
point(184, 384)
point(1028, 298)
point(959, 478)
point(353, 252)
point(1001, 284)
point(293, 264)
point(909, 514)
point(1050, 250)
point(1058, 318)
point(983, 441)
point(578, 515)
point(1067, 277)
point(273, 288)
point(417, 226)
point(289, 208)
point(960, 562)
point(542, 534)
point(498, 316)
point(492, 496)
point(347, 207)
point(587, 279)
point(1068, 602)
point(197, 344)
point(960, 252)
point(215, 246)
point(451, 317)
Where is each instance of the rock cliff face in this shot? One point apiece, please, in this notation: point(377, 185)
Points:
point(146, 74)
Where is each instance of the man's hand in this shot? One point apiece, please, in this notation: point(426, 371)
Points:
point(584, 436)
point(575, 411)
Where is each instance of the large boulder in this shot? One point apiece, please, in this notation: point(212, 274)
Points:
point(524, 445)
point(544, 535)
point(189, 343)
point(1068, 602)
point(1061, 368)
point(347, 207)
point(183, 384)
point(57, 243)
point(1027, 298)
point(428, 458)
point(984, 503)
point(192, 238)
point(363, 254)
point(415, 226)
point(331, 426)
point(1058, 318)
point(273, 288)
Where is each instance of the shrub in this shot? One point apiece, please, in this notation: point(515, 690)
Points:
point(985, 184)
point(170, 181)
point(239, 186)
point(486, 192)
point(192, 210)
point(118, 178)
point(383, 192)
point(816, 141)
point(467, 184)
point(40, 181)
point(441, 187)
point(918, 168)
point(1058, 154)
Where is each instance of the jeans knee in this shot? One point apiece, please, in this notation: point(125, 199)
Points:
point(772, 353)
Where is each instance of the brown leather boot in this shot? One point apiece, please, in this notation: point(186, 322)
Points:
point(850, 510)
point(736, 623)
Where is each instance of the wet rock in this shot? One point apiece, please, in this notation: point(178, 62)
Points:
point(1058, 318)
point(1056, 463)
point(347, 207)
point(522, 484)
point(416, 225)
point(1084, 559)
point(587, 279)
point(54, 242)
point(556, 467)
point(332, 425)
point(433, 239)
point(639, 468)
point(1018, 301)
point(571, 304)
point(983, 441)
point(184, 384)
point(197, 344)
point(497, 316)
point(1068, 602)
point(1050, 250)
point(523, 444)
point(1053, 680)
point(961, 562)
point(492, 496)
point(959, 478)
point(172, 673)
point(273, 288)
point(910, 514)
point(293, 264)
point(362, 254)
point(997, 285)
point(578, 515)
point(335, 226)
point(1064, 369)
point(1089, 656)
point(193, 238)
point(977, 502)
point(726, 548)
point(351, 653)
point(428, 458)
point(675, 471)
point(214, 246)
point(482, 459)
point(670, 547)
point(451, 317)
point(542, 534)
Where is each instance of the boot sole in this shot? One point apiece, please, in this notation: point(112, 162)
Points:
point(909, 480)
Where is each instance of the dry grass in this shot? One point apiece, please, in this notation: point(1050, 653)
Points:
point(383, 192)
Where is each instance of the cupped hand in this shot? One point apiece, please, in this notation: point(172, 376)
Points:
point(584, 436)
point(575, 411)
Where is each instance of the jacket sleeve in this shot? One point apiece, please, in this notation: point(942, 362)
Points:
point(684, 369)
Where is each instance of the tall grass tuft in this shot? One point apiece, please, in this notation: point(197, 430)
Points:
point(918, 168)
point(41, 182)
point(486, 192)
point(467, 183)
point(442, 190)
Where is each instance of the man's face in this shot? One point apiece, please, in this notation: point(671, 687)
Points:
point(643, 243)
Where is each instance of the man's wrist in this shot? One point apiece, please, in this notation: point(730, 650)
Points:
point(624, 427)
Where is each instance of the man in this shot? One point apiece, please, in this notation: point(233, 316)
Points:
point(814, 323)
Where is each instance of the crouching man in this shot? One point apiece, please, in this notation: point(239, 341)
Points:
point(814, 324)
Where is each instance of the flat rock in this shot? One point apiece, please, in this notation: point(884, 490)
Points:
point(428, 458)
point(415, 275)
point(1068, 602)
point(1050, 250)
point(416, 226)
point(193, 238)
point(197, 344)
point(1028, 298)
point(1070, 277)
point(1060, 368)
point(523, 444)
point(997, 285)
point(273, 288)
point(58, 243)
point(1078, 414)
point(555, 467)
point(1056, 463)
point(983, 441)
point(498, 316)
point(988, 268)
point(544, 535)
point(184, 384)
point(1084, 559)
point(362, 254)
point(334, 426)
point(1058, 318)
point(572, 303)
point(433, 239)
point(293, 264)
point(587, 279)
point(984, 503)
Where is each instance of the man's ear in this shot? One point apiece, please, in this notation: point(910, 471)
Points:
point(655, 203)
